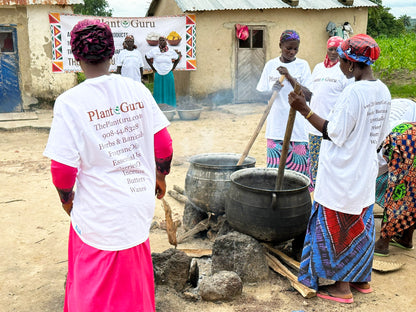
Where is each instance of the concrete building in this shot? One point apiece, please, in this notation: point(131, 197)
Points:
point(228, 68)
point(25, 63)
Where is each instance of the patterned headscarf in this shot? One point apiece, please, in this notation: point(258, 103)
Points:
point(125, 44)
point(360, 48)
point(288, 35)
point(92, 41)
point(334, 41)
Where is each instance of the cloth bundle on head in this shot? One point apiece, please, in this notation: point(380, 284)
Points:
point(92, 41)
point(333, 42)
point(360, 48)
point(288, 35)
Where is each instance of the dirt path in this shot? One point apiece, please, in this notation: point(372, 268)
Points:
point(33, 227)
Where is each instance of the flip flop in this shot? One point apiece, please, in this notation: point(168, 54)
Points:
point(327, 295)
point(395, 243)
point(361, 290)
point(381, 253)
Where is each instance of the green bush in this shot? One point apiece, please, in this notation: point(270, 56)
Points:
point(149, 85)
point(396, 65)
point(397, 53)
point(80, 77)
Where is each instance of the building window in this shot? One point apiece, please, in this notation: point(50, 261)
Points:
point(254, 41)
point(6, 42)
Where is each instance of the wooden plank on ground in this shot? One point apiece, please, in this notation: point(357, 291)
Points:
point(285, 258)
point(278, 267)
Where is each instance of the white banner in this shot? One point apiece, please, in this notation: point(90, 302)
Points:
point(145, 30)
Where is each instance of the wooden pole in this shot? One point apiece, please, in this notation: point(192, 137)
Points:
point(260, 124)
point(286, 141)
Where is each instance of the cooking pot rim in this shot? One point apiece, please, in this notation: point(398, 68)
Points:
point(287, 172)
point(248, 161)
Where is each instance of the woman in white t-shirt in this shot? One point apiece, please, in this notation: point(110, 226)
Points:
point(295, 70)
point(340, 237)
point(328, 81)
point(129, 61)
point(163, 61)
point(108, 136)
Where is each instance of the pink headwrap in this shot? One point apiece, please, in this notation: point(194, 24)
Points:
point(92, 41)
point(333, 42)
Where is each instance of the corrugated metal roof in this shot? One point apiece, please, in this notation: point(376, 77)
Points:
point(37, 2)
point(219, 5)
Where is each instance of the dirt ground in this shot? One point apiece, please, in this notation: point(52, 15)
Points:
point(34, 228)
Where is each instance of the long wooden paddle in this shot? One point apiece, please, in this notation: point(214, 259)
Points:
point(286, 141)
point(260, 124)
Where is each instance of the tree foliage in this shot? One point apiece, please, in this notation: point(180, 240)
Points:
point(93, 7)
point(382, 22)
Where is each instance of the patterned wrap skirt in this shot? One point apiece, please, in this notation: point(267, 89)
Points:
point(100, 280)
point(164, 89)
point(314, 148)
point(337, 246)
point(381, 187)
point(297, 157)
point(400, 194)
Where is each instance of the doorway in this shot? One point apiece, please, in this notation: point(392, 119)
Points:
point(250, 60)
point(10, 97)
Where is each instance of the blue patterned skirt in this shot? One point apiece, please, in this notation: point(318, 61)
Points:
point(337, 247)
point(297, 157)
point(314, 148)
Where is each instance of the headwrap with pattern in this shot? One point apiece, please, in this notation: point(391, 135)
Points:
point(92, 41)
point(125, 44)
point(333, 42)
point(360, 48)
point(288, 35)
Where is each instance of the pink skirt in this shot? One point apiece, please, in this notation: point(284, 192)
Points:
point(100, 280)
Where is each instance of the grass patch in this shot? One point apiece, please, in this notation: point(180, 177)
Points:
point(149, 85)
point(403, 91)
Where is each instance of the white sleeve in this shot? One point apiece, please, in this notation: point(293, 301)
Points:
point(62, 142)
point(263, 84)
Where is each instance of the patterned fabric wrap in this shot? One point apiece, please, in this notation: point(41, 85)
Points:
point(92, 41)
point(297, 157)
point(337, 246)
point(288, 35)
point(164, 89)
point(360, 48)
point(314, 148)
point(332, 42)
point(400, 197)
point(381, 187)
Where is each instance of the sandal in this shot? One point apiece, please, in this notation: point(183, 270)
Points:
point(381, 253)
point(325, 294)
point(360, 289)
point(395, 243)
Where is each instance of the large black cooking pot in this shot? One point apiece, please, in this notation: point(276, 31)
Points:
point(255, 208)
point(208, 179)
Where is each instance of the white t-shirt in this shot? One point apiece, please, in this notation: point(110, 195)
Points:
point(348, 165)
point(130, 62)
point(105, 127)
point(162, 62)
point(327, 85)
point(279, 113)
